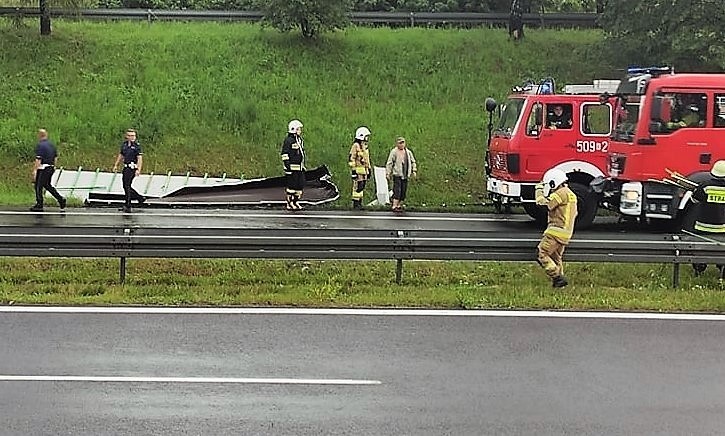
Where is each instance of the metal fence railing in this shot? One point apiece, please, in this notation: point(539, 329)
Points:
point(151, 242)
point(582, 20)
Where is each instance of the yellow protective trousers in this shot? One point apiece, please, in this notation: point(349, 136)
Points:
point(550, 255)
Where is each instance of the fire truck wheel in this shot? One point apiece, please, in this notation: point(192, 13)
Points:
point(587, 205)
point(538, 213)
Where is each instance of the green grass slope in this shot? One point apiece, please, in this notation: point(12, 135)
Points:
point(209, 97)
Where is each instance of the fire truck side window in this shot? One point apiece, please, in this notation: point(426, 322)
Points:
point(596, 119)
point(677, 110)
point(719, 110)
point(558, 116)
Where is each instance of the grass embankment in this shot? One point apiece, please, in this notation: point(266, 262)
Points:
point(217, 98)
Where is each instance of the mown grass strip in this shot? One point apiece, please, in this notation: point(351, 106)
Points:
point(466, 285)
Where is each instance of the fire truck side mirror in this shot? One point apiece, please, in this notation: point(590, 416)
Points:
point(490, 104)
point(539, 116)
point(656, 113)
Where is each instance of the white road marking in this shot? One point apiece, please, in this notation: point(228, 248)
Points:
point(218, 380)
point(361, 312)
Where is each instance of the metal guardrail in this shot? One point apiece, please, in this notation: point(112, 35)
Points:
point(584, 20)
point(117, 242)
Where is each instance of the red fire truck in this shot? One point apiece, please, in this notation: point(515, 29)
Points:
point(667, 126)
point(538, 130)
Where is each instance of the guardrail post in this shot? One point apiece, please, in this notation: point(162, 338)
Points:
point(398, 271)
point(676, 275)
point(122, 271)
point(412, 19)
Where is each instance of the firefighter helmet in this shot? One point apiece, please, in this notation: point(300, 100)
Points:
point(362, 133)
point(718, 169)
point(553, 179)
point(294, 126)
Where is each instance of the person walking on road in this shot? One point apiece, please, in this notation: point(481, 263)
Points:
point(46, 157)
point(132, 157)
point(561, 203)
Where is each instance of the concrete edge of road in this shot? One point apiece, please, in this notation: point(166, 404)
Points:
point(356, 312)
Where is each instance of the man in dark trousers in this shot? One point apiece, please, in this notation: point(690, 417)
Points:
point(43, 169)
point(132, 157)
point(516, 20)
point(293, 160)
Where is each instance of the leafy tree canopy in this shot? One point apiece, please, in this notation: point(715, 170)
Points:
point(687, 34)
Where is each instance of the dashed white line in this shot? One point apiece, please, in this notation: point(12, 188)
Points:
point(198, 380)
point(360, 312)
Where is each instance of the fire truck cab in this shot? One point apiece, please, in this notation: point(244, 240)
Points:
point(538, 130)
point(669, 128)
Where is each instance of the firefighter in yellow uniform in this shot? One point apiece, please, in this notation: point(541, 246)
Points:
point(359, 161)
point(710, 196)
point(561, 203)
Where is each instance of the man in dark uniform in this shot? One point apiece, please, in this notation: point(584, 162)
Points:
point(132, 158)
point(559, 119)
point(516, 20)
point(293, 160)
point(45, 159)
point(710, 196)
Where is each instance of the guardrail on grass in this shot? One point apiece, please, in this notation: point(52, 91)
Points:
point(135, 242)
point(582, 20)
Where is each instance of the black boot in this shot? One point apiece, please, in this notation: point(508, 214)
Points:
point(357, 204)
point(699, 268)
point(559, 282)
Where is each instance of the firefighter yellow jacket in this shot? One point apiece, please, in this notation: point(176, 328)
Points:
point(360, 159)
point(562, 213)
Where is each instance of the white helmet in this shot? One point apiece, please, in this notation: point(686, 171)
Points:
point(294, 126)
point(552, 180)
point(362, 133)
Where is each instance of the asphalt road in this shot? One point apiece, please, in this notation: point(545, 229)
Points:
point(214, 219)
point(429, 375)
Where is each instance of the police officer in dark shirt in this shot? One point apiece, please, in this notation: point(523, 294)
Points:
point(45, 159)
point(132, 158)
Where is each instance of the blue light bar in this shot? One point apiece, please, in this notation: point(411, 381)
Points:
point(654, 71)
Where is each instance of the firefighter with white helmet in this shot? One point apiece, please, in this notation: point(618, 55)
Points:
point(710, 198)
point(359, 161)
point(561, 203)
point(293, 160)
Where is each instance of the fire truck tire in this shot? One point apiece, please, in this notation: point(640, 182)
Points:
point(587, 205)
point(538, 213)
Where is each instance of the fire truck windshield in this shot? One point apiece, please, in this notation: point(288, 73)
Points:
point(510, 114)
point(627, 114)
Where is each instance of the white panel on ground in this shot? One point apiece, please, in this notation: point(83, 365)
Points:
point(382, 192)
point(79, 184)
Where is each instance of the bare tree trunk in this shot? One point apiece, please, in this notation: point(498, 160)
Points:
point(44, 17)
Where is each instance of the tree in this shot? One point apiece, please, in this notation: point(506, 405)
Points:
point(687, 34)
point(310, 16)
